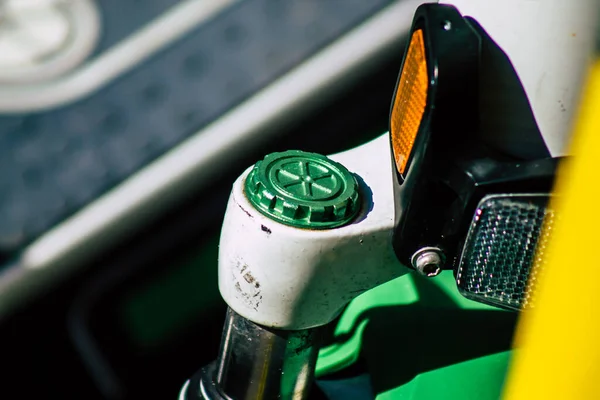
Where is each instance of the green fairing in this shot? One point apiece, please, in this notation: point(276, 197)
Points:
point(419, 339)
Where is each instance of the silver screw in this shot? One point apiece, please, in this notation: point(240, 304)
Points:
point(428, 261)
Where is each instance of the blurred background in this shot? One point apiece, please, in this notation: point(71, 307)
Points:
point(123, 124)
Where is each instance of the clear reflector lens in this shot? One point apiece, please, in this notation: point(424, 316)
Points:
point(505, 250)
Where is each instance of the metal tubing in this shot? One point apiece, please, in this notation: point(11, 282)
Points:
point(256, 362)
point(260, 363)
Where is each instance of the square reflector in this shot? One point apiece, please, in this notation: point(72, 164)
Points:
point(505, 250)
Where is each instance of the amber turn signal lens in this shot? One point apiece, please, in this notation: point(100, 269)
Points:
point(409, 101)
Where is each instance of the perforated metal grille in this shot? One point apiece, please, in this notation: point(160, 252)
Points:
point(499, 258)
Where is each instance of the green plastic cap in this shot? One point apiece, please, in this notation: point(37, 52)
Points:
point(304, 190)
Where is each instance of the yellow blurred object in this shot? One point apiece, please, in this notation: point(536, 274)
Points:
point(559, 340)
point(409, 101)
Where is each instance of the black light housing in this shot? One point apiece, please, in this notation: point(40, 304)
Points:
point(454, 163)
